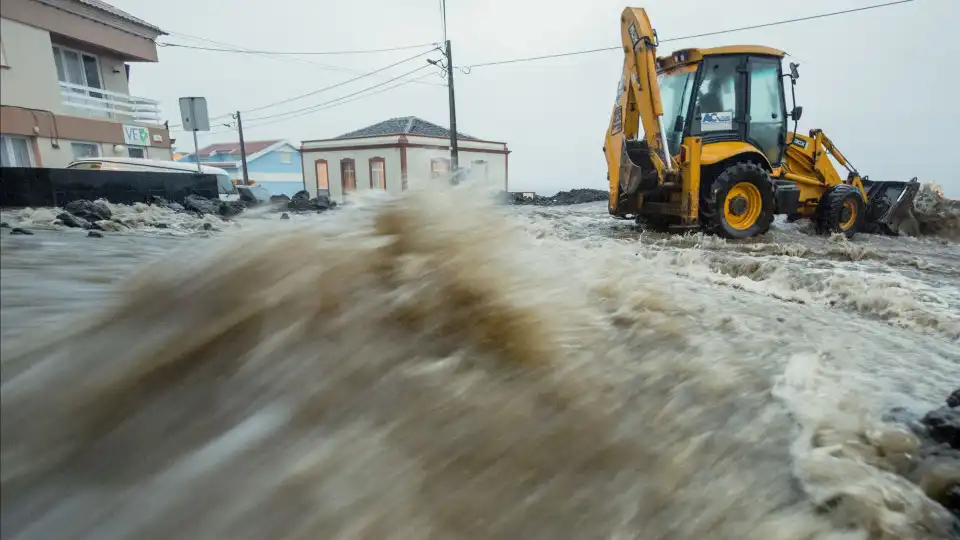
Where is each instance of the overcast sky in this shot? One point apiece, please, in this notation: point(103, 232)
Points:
point(881, 83)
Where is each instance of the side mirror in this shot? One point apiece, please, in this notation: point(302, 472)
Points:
point(796, 113)
point(794, 74)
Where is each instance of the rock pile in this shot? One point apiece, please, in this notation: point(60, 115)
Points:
point(301, 202)
point(936, 215)
point(561, 198)
point(936, 464)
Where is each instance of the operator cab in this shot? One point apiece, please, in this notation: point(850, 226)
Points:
point(725, 94)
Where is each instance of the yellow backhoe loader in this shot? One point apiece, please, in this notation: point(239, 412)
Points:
point(699, 139)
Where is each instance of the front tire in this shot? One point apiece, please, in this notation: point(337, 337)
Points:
point(840, 211)
point(740, 202)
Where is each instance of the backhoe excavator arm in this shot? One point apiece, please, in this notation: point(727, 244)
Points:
point(638, 100)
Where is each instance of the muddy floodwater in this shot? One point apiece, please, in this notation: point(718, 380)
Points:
point(435, 367)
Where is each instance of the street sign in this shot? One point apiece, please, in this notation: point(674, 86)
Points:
point(193, 114)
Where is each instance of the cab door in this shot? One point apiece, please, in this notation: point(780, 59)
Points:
point(766, 112)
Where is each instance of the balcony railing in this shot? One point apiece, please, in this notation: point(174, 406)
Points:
point(100, 103)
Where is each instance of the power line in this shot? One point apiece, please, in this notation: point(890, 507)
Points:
point(324, 89)
point(312, 107)
point(282, 57)
point(443, 18)
point(718, 32)
point(331, 105)
point(295, 53)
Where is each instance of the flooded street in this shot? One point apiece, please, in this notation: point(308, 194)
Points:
point(433, 368)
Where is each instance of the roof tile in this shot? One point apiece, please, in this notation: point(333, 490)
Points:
point(252, 147)
point(404, 125)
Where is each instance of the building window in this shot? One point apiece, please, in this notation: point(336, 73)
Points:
point(15, 152)
point(136, 152)
point(348, 175)
point(439, 167)
point(79, 74)
point(323, 178)
point(85, 150)
point(378, 173)
point(286, 157)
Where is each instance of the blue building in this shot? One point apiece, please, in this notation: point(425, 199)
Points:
point(275, 164)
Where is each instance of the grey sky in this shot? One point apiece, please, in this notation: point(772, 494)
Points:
point(881, 83)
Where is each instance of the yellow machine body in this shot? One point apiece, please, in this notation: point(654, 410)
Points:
point(699, 139)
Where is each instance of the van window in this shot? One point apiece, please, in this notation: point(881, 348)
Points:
point(226, 185)
point(90, 165)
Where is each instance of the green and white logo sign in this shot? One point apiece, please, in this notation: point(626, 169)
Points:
point(136, 136)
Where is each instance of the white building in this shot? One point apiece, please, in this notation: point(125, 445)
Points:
point(65, 68)
point(396, 154)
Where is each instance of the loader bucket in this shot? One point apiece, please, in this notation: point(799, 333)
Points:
point(890, 205)
point(637, 172)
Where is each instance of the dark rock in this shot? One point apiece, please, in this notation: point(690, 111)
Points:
point(95, 234)
point(232, 208)
point(944, 426)
point(96, 226)
point(157, 200)
point(71, 220)
point(954, 399)
point(300, 201)
point(89, 210)
point(322, 202)
point(161, 225)
point(951, 500)
point(18, 230)
point(574, 196)
point(285, 216)
point(279, 198)
point(4, 225)
point(201, 205)
point(207, 226)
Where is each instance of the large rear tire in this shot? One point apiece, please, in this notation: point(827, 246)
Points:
point(739, 203)
point(840, 211)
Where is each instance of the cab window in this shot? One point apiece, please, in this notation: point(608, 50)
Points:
point(716, 107)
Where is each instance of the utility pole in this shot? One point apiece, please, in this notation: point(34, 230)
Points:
point(243, 149)
point(454, 158)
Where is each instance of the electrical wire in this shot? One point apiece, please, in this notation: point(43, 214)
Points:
point(331, 105)
point(312, 107)
point(718, 32)
point(443, 18)
point(326, 88)
point(282, 57)
point(295, 53)
point(348, 81)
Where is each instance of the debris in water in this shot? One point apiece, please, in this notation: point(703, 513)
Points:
point(95, 234)
point(18, 230)
point(574, 196)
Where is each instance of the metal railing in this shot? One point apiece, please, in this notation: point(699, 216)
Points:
point(100, 103)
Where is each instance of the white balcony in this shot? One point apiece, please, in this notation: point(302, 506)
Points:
point(100, 103)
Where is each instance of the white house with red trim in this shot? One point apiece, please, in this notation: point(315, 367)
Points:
point(397, 154)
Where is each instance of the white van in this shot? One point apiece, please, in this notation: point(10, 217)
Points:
point(226, 188)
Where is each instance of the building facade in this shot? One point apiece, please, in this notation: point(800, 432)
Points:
point(275, 165)
point(64, 84)
point(395, 155)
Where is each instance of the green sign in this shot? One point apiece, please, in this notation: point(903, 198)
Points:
point(136, 136)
